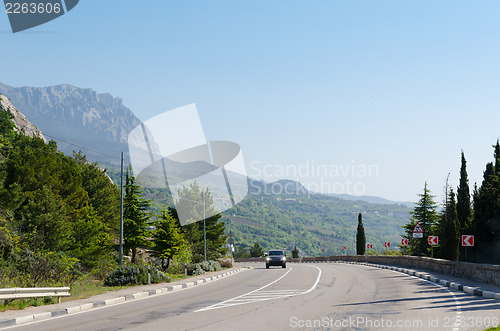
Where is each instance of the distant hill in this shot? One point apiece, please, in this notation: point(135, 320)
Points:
point(76, 117)
point(283, 214)
point(372, 199)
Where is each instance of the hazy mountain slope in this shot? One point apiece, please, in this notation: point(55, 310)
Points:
point(314, 222)
point(72, 115)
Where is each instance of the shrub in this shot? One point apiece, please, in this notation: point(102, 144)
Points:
point(216, 266)
point(134, 275)
point(195, 269)
point(104, 268)
point(45, 268)
point(177, 263)
point(226, 264)
point(205, 265)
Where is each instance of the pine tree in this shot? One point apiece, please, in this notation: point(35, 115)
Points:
point(167, 239)
point(449, 236)
point(360, 237)
point(135, 216)
point(256, 250)
point(464, 211)
point(425, 214)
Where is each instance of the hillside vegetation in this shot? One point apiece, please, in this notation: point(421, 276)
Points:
point(317, 224)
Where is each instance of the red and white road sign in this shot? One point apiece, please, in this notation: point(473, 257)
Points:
point(404, 242)
point(344, 248)
point(467, 240)
point(369, 246)
point(433, 240)
point(418, 228)
point(387, 244)
point(418, 232)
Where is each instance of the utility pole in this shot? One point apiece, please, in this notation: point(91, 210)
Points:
point(204, 229)
point(121, 211)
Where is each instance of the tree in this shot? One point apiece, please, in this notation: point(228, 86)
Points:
point(425, 214)
point(192, 201)
point(90, 239)
point(486, 220)
point(135, 216)
point(295, 252)
point(449, 229)
point(167, 239)
point(241, 252)
point(257, 250)
point(360, 237)
point(464, 210)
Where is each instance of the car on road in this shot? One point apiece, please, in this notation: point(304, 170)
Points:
point(276, 258)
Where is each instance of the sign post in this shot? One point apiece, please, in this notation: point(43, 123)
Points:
point(467, 241)
point(418, 232)
point(433, 241)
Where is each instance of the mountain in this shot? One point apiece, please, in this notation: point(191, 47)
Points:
point(21, 122)
point(278, 215)
point(372, 199)
point(283, 214)
point(77, 118)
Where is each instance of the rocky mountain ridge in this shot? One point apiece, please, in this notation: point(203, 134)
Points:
point(77, 118)
point(21, 122)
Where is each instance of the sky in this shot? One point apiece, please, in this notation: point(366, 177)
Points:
point(356, 97)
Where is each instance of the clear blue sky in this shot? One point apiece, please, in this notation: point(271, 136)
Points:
point(400, 87)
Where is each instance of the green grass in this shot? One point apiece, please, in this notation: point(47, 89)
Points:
point(493, 329)
point(23, 303)
point(81, 289)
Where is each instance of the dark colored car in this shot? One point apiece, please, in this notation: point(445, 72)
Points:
point(276, 258)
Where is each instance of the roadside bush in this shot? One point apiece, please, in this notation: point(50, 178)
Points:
point(45, 268)
point(195, 269)
point(216, 266)
point(205, 265)
point(134, 275)
point(104, 268)
point(177, 263)
point(226, 264)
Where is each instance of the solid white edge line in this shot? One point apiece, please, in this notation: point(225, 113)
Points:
point(231, 302)
point(96, 308)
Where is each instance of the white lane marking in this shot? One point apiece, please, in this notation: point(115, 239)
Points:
point(259, 295)
point(458, 308)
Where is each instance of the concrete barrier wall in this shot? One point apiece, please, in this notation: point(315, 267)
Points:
point(484, 273)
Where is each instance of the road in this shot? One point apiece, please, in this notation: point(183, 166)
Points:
point(323, 296)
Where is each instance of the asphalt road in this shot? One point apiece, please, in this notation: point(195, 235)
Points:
point(324, 296)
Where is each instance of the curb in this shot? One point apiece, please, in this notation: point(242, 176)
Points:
point(108, 302)
point(456, 286)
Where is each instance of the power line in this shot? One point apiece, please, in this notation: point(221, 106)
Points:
point(86, 148)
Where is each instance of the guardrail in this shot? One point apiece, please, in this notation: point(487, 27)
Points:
point(33, 292)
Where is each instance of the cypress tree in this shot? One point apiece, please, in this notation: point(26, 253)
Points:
point(464, 211)
point(295, 252)
point(360, 237)
point(486, 221)
point(449, 229)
